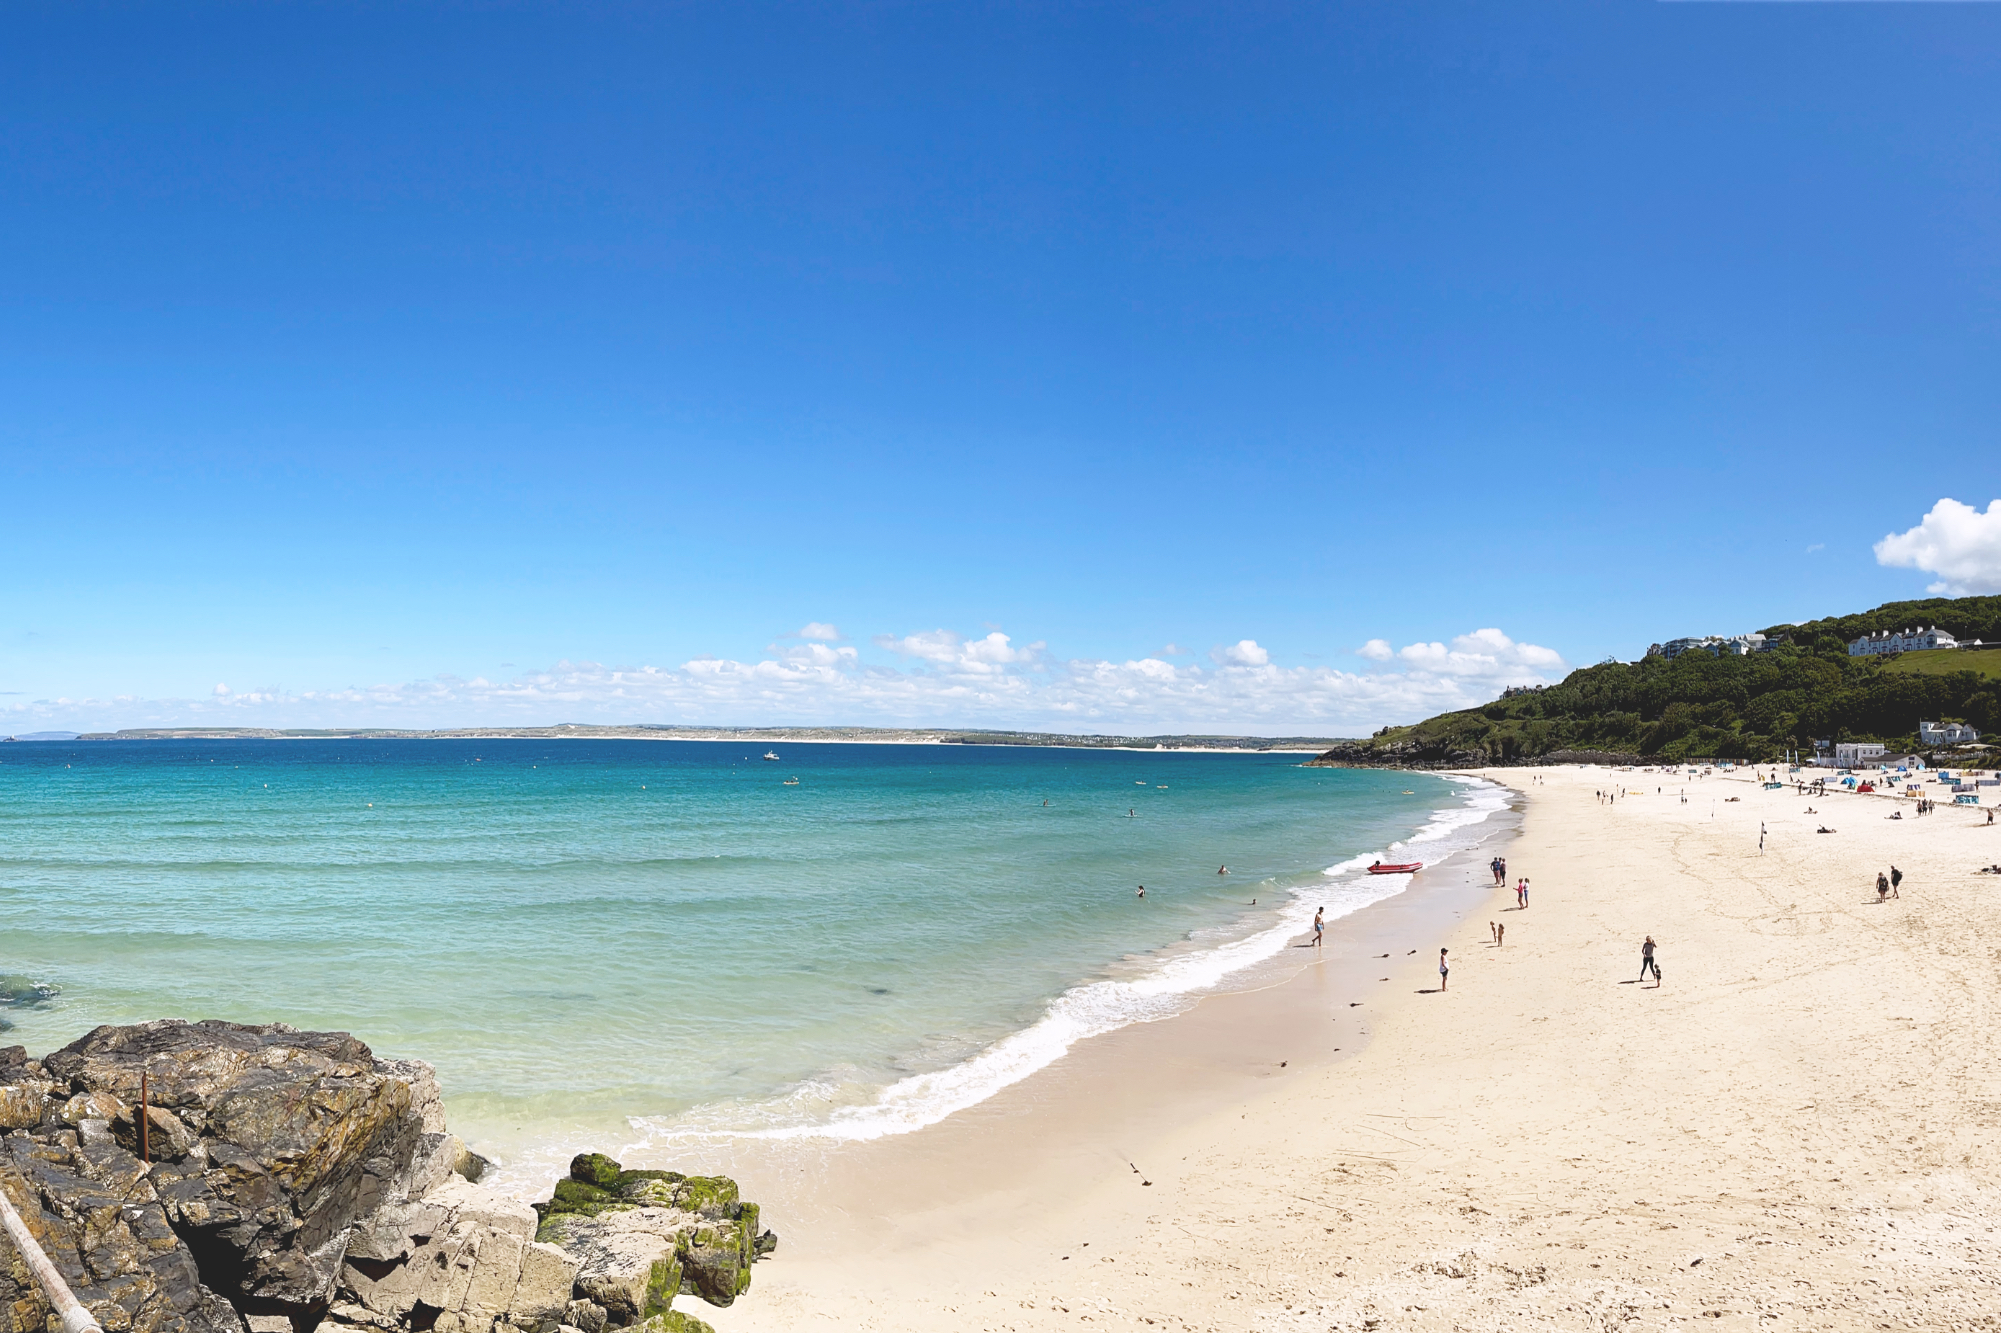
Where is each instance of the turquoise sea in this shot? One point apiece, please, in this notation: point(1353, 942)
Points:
point(597, 938)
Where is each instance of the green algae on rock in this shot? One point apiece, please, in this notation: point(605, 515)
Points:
point(601, 1210)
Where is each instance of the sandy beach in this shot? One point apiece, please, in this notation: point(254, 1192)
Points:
point(1795, 1130)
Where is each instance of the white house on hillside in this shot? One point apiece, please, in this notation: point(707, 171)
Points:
point(1716, 645)
point(1902, 641)
point(1946, 733)
point(1854, 754)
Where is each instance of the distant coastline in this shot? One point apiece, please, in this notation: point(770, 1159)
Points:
point(763, 735)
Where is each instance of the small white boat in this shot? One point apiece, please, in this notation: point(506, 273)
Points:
point(772, 755)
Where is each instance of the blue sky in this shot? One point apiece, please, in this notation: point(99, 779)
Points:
point(442, 364)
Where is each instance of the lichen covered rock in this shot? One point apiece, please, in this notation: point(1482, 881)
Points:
point(623, 1223)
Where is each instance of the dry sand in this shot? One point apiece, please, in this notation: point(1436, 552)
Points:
point(1797, 1130)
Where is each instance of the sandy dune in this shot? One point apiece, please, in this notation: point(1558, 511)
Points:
point(1797, 1130)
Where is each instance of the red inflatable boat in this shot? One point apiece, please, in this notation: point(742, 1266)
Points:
point(1406, 868)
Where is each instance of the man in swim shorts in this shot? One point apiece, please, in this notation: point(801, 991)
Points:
point(1318, 925)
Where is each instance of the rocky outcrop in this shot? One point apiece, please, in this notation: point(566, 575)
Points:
point(613, 1218)
point(94, 1213)
point(1431, 754)
point(294, 1182)
point(461, 1258)
point(269, 1144)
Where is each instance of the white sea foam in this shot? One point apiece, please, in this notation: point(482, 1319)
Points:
point(830, 1108)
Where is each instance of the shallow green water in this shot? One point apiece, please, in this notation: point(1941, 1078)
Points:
point(582, 933)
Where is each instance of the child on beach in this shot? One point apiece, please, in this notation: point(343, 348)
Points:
point(1443, 970)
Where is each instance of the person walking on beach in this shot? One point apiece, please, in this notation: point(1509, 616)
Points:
point(1896, 878)
point(1495, 866)
point(1444, 970)
point(1493, 932)
point(1882, 886)
point(1647, 960)
point(1500, 932)
point(1319, 925)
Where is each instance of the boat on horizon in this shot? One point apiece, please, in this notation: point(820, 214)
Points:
point(771, 755)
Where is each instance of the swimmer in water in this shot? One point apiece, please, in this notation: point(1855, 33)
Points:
point(1142, 892)
point(1222, 870)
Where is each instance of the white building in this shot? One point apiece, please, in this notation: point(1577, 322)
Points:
point(1854, 754)
point(1946, 733)
point(1902, 641)
point(1716, 645)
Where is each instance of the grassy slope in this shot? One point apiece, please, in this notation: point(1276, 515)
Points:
point(1731, 707)
point(1945, 661)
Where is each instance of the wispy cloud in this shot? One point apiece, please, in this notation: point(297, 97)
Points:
point(1954, 540)
point(816, 629)
point(944, 679)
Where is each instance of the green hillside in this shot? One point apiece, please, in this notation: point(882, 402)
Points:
point(1699, 706)
point(1965, 618)
point(1945, 661)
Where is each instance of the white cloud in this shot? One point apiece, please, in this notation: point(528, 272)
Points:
point(1244, 652)
point(1376, 650)
point(947, 650)
point(815, 629)
point(1954, 540)
point(949, 681)
point(1485, 653)
point(1174, 650)
point(1817, 546)
point(221, 691)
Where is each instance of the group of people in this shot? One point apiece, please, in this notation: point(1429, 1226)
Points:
point(1887, 885)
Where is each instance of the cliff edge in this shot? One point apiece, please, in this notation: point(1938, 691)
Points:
point(279, 1181)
